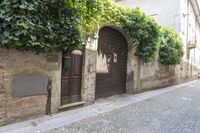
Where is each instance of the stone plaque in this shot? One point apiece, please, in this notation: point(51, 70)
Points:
point(29, 85)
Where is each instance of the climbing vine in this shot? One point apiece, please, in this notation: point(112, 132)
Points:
point(56, 25)
point(38, 25)
point(141, 29)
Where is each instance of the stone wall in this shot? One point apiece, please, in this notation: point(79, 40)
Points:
point(153, 75)
point(2, 108)
point(140, 76)
point(89, 70)
point(13, 63)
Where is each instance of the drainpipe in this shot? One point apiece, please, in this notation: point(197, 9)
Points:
point(187, 50)
point(49, 90)
point(195, 41)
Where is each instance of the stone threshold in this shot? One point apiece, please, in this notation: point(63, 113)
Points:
point(71, 105)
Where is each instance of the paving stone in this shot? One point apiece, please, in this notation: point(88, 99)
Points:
point(174, 112)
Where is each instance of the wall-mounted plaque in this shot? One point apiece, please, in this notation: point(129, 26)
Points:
point(29, 85)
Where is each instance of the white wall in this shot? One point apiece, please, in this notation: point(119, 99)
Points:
point(193, 32)
point(166, 12)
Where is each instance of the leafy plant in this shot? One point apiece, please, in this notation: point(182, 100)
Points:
point(38, 25)
point(171, 49)
point(56, 25)
point(143, 30)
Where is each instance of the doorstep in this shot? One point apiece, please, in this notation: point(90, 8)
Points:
point(71, 105)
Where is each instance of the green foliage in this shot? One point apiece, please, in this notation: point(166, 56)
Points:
point(141, 29)
point(56, 25)
point(171, 49)
point(38, 25)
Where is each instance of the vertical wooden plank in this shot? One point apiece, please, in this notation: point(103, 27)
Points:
point(111, 63)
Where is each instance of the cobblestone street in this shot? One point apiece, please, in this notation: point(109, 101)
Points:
point(174, 109)
point(177, 111)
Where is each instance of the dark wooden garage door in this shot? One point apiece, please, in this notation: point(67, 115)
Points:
point(111, 63)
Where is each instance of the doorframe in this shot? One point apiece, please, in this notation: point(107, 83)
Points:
point(132, 62)
point(123, 44)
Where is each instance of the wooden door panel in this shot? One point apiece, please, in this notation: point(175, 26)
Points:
point(111, 63)
point(77, 63)
point(65, 88)
point(75, 98)
point(76, 89)
point(71, 77)
point(103, 86)
point(66, 73)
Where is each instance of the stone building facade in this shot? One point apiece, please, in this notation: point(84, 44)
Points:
point(107, 65)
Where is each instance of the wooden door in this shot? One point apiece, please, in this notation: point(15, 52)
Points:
point(71, 77)
point(111, 63)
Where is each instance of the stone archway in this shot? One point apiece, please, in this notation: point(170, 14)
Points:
point(89, 78)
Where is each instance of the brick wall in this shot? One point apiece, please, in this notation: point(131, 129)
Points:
point(15, 63)
point(26, 106)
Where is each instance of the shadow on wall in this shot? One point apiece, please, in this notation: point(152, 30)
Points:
point(111, 46)
point(154, 75)
point(111, 63)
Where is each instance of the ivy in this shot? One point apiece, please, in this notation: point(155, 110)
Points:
point(141, 29)
point(171, 49)
point(38, 25)
point(144, 31)
point(57, 25)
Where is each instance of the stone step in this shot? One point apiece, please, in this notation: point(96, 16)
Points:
point(72, 105)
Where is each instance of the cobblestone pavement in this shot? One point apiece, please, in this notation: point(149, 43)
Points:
point(173, 112)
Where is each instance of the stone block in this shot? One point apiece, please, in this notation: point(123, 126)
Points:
point(27, 106)
point(2, 118)
point(15, 105)
point(14, 113)
point(35, 101)
point(3, 65)
point(52, 58)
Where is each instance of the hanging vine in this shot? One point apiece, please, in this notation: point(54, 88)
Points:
point(56, 25)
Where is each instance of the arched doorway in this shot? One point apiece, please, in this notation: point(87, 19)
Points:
point(111, 63)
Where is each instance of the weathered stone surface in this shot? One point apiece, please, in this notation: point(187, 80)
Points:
point(52, 57)
point(2, 109)
point(17, 107)
point(89, 79)
point(15, 63)
point(153, 75)
point(141, 76)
